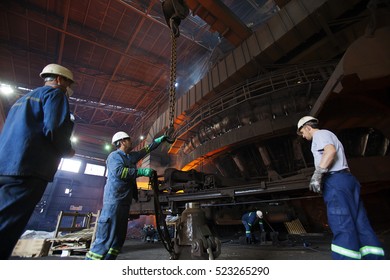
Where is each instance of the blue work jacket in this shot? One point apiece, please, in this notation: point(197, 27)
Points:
point(121, 185)
point(36, 134)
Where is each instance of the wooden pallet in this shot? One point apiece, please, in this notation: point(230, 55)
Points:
point(78, 239)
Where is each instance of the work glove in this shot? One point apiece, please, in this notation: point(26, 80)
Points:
point(145, 172)
point(160, 139)
point(316, 179)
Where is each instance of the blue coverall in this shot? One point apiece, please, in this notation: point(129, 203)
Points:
point(248, 220)
point(35, 136)
point(120, 189)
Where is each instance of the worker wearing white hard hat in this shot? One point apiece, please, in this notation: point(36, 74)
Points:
point(62, 76)
point(305, 120)
point(55, 69)
point(249, 219)
point(353, 236)
point(120, 189)
point(39, 124)
point(119, 136)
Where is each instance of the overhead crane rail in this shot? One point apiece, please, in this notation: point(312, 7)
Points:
point(256, 88)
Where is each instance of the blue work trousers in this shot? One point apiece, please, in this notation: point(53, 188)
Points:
point(248, 228)
point(111, 232)
point(18, 198)
point(353, 236)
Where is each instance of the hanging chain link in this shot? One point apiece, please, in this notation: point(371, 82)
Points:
point(172, 81)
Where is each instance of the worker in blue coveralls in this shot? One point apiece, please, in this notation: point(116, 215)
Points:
point(353, 236)
point(120, 189)
point(35, 136)
point(249, 219)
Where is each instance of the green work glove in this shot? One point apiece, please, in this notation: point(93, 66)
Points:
point(316, 179)
point(145, 172)
point(160, 139)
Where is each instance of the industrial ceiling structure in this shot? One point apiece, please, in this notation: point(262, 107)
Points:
point(119, 52)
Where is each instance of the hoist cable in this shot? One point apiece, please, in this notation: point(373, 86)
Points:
point(172, 81)
point(162, 227)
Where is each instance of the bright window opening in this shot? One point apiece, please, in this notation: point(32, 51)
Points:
point(70, 165)
point(94, 169)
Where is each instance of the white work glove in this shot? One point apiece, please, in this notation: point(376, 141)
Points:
point(316, 179)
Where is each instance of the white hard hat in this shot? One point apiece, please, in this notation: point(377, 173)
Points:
point(259, 214)
point(304, 120)
point(55, 69)
point(119, 136)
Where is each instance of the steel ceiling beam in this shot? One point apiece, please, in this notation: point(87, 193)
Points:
point(81, 38)
point(163, 23)
point(221, 19)
point(64, 26)
point(123, 56)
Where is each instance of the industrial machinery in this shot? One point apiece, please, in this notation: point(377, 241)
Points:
point(191, 236)
point(194, 236)
point(203, 202)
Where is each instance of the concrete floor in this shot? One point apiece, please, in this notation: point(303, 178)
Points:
point(232, 250)
point(311, 247)
point(295, 248)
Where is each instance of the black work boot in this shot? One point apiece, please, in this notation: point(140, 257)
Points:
point(263, 238)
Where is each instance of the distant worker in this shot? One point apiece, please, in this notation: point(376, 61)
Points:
point(35, 136)
point(120, 189)
point(353, 236)
point(149, 233)
point(249, 219)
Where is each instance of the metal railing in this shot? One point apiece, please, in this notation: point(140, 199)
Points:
point(256, 89)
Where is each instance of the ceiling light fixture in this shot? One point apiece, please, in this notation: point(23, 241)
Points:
point(6, 89)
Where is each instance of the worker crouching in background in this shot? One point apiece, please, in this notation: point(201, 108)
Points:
point(249, 220)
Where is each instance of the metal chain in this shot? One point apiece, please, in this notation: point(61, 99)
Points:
point(172, 82)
